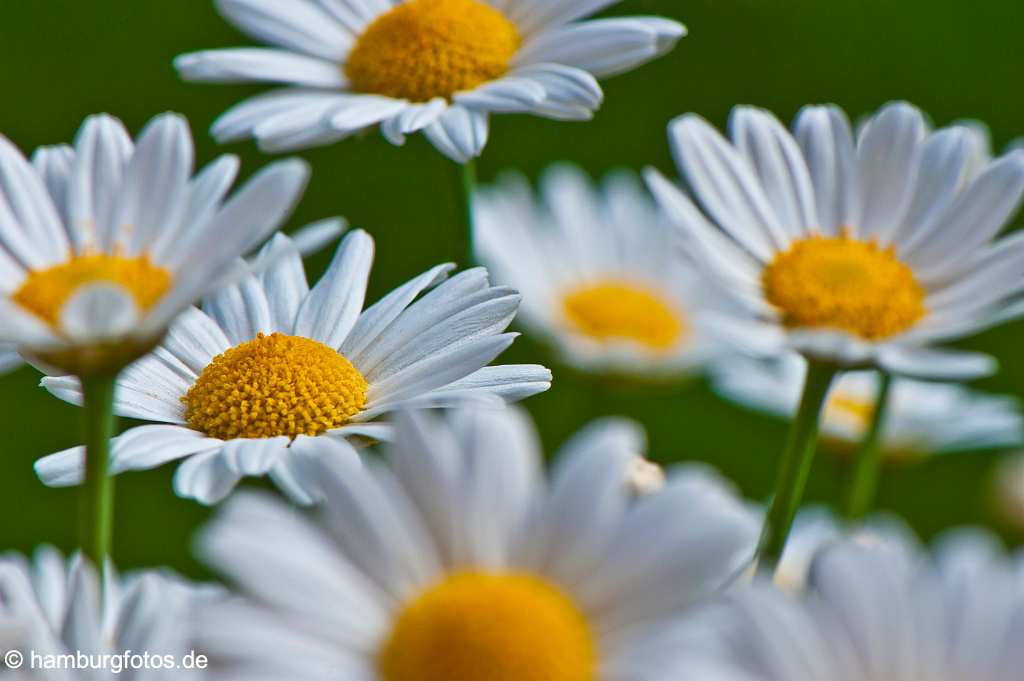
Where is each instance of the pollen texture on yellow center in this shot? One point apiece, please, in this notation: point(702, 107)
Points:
point(44, 292)
point(275, 385)
point(623, 311)
point(422, 49)
point(841, 283)
point(476, 626)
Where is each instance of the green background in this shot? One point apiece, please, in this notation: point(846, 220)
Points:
point(65, 59)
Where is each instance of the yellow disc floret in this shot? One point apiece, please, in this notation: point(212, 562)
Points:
point(275, 385)
point(841, 283)
point(422, 49)
point(44, 292)
point(623, 311)
point(476, 626)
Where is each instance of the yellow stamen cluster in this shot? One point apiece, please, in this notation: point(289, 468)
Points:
point(476, 626)
point(623, 311)
point(849, 408)
point(275, 385)
point(422, 49)
point(44, 292)
point(841, 283)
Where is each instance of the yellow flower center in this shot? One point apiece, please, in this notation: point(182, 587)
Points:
point(44, 292)
point(842, 283)
point(475, 626)
point(623, 311)
point(422, 49)
point(275, 385)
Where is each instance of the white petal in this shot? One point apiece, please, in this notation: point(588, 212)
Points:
point(604, 47)
point(284, 282)
point(825, 137)
point(460, 133)
point(261, 65)
point(102, 151)
point(332, 307)
point(30, 226)
point(299, 25)
point(572, 94)
point(206, 478)
point(54, 165)
point(953, 365)
point(241, 311)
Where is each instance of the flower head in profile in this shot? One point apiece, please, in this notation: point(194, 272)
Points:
point(858, 253)
point(52, 607)
point(271, 373)
point(436, 66)
point(456, 561)
point(598, 271)
point(923, 418)
point(877, 612)
point(104, 243)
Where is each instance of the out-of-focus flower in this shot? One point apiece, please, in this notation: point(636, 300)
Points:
point(65, 627)
point(271, 374)
point(436, 66)
point(923, 417)
point(599, 272)
point(103, 244)
point(875, 613)
point(856, 253)
point(456, 561)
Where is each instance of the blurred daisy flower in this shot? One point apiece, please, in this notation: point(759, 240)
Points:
point(857, 253)
point(103, 244)
point(456, 561)
point(436, 66)
point(598, 271)
point(877, 613)
point(270, 372)
point(923, 418)
point(56, 607)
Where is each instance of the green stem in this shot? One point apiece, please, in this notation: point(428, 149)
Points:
point(467, 190)
point(97, 500)
point(868, 464)
point(796, 465)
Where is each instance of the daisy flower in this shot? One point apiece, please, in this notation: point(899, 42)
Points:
point(270, 372)
point(455, 561)
point(878, 613)
point(103, 244)
point(55, 607)
point(922, 417)
point(597, 270)
point(855, 253)
point(436, 66)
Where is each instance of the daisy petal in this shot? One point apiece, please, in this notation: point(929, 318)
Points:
point(261, 65)
point(332, 307)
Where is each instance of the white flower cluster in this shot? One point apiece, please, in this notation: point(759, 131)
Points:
point(812, 273)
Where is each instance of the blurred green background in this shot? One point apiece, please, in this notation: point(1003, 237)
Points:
point(65, 59)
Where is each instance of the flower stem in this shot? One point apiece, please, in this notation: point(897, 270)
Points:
point(467, 190)
point(868, 464)
point(797, 459)
point(97, 500)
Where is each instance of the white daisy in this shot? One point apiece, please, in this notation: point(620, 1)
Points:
point(878, 613)
point(436, 66)
point(597, 270)
point(56, 607)
point(922, 418)
point(271, 371)
point(457, 562)
point(103, 244)
point(816, 528)
point(858, 253)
